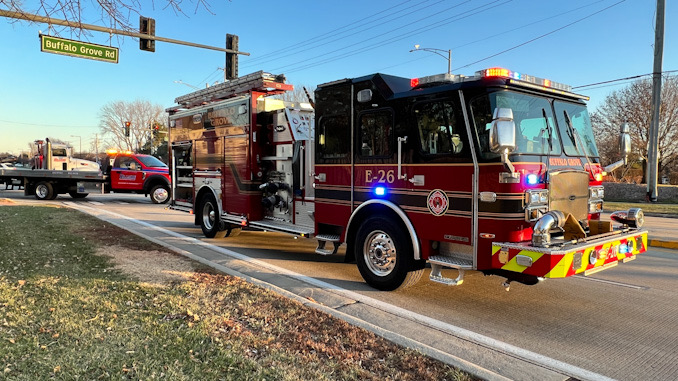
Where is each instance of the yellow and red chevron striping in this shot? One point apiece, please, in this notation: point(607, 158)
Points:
point(555, 263)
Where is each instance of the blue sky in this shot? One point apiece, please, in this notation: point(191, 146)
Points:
point(312, 42)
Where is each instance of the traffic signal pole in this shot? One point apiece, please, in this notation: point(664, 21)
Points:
point(70, 24)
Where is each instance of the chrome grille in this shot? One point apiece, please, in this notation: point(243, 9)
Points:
point(569, 193)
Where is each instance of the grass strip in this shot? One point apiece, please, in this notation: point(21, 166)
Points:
point(648, 207)
point(67, 312)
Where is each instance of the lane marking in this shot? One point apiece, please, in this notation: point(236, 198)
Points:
point(613, 283)
point(477, 338)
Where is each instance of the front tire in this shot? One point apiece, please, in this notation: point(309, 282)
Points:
point(44, 191)
point(160, 194)
point(385, 256)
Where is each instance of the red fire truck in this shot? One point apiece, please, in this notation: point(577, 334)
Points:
point(496, 172)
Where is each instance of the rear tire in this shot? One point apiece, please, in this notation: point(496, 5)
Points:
point(160, 194)
point(385, 256)
point(209, 216)
point(44, 191)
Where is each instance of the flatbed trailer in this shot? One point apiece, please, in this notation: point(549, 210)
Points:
point(46, 184)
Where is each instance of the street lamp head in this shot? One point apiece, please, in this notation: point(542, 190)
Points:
point(416, 46)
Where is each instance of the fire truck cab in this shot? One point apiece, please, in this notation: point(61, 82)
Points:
point(496, 172)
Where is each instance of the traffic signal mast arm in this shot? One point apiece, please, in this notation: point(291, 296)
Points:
point(70, 24)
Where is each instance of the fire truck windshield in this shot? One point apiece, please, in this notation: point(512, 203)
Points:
point(536, 122)
point(581, 124)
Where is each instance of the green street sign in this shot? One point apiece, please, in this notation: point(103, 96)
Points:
point(80, 49)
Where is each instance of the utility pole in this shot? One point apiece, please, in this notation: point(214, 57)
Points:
point(96, 147)
point(652, 149)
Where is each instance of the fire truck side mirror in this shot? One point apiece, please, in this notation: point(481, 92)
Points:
point(502, 131)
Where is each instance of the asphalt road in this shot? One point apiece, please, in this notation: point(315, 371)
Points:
point(619, 323)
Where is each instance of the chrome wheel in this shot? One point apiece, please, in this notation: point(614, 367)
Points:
point(160, 195)
point(209, 216)
point(380, 253)
point(41, 191)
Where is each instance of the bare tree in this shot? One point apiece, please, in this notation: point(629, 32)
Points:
point(141, 114)
point(114, 13)
point(632, 105)
point(298, 94)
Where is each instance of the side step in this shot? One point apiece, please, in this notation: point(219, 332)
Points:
point(323, 239)
point(439, 261)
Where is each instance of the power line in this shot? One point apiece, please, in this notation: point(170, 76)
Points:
point(359, 31)
point(526, 25)
point(406, 34)
point(623, 79)
point(46, 125)
point(334, 31)
point(541, 36)
point(498, 34)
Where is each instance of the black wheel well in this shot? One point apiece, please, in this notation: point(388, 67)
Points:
point(196, 203)
point(153, 181)
point(363, 214)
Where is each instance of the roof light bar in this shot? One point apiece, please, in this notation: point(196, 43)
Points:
point(514, 78)
point(437, 78)
point(506, 73)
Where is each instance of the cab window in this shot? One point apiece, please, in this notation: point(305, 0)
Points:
point(128, 163)
point(334, 137)
point(376, 134)
point(438, 131)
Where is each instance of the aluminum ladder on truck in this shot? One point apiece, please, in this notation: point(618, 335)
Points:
point(259, 80)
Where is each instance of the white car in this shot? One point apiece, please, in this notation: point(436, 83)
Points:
point(7, 166)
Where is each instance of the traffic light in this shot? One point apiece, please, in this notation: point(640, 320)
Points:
point(127, 124)
point(156, 128)
point(147, 26)
point(231, 71)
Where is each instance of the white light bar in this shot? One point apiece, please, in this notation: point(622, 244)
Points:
point(437, 78)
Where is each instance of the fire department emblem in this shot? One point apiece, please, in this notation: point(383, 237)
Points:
point(438, 202)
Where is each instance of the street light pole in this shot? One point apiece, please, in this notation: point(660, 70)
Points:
point(437, 51)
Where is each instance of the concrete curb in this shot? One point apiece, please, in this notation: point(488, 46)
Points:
point(664, 243)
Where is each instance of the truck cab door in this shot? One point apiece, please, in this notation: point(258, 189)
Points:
point(376, 169)
point(441, 177)
point(127, 174)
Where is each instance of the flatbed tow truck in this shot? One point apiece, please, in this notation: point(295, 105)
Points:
point(55, 172)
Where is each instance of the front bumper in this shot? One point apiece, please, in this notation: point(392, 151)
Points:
point(565, 259)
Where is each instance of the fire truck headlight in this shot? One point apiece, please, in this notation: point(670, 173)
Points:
point(536, 197)
point(596, 192)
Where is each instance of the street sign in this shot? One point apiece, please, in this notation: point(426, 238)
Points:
point(79, 49)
